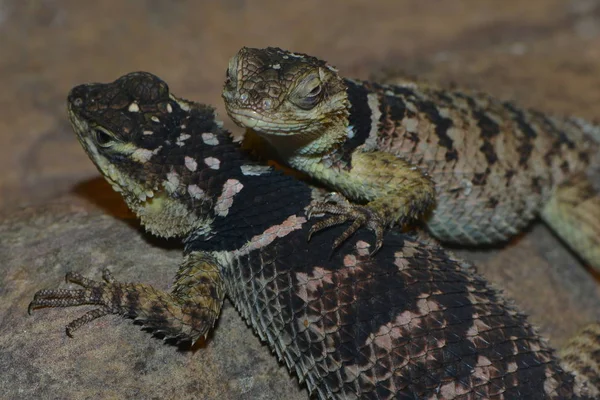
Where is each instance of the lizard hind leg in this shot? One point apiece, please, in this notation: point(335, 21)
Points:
point(581, 357)
point(573, 212)
point(185, 314)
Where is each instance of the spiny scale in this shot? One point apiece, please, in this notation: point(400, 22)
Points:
point(409, 322)
point(495, 166)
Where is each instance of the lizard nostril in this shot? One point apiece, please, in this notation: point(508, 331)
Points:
point(261, 87)
point(244, 97)
point(78, 102)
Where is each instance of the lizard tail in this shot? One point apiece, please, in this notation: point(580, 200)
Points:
point(573, 212)
point(591, 129)
point(581, 356)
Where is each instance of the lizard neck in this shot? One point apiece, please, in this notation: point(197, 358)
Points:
point(227, 190)
point(358, 128)
point(310, 143)
point(255, 206)
point(336, 140)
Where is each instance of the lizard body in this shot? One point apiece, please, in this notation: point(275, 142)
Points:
point(409, 322)
point(493, 166)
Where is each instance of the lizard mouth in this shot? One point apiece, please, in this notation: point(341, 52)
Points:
point(251, 119)
point(245, 118)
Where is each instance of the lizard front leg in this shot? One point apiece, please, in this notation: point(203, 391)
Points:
point(186, 313)
point(397, 193)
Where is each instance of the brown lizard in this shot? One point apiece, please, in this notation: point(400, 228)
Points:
point(409, 322)
point(493, 166)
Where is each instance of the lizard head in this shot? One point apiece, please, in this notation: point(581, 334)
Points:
point(135, 132)
point(277, 92)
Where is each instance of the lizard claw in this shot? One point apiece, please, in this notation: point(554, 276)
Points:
point(344, 211)
point(92, 293)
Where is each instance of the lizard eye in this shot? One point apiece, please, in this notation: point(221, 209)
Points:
point(102, 138)
point(315, 91)
point(308, 92)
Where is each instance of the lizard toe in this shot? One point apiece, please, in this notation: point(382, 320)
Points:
point(343, 211)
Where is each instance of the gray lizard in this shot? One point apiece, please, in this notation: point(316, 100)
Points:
point(485, 167)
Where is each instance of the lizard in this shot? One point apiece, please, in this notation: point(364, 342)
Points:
point(411, 321)
point(476, 169)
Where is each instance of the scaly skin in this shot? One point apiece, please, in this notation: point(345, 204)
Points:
point(495, 166)
point(409, 322)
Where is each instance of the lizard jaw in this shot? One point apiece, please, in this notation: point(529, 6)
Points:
point(254, 120)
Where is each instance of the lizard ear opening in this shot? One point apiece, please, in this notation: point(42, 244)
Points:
point(102, 138)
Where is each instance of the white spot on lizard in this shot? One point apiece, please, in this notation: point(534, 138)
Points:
point(362, 248)
point(144, 155)
point(225, 200)
point(195, 192)
point(213, 163)
point(210, 139)
point(181, 139)
point(172, 182)
point(133, 107)
point(350, 131)
point(190, 163)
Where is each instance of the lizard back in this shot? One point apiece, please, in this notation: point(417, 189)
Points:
point(410, 322)
point(476, 169)
point(488, 158)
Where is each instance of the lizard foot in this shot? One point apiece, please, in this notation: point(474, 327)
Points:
point(158, 311)
point(344, 211)
point(93, 293)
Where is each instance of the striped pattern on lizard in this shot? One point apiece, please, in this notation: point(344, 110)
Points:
point(410, 321)
point(493, 166)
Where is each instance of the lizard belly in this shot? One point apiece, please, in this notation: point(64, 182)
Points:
point(469, 214)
